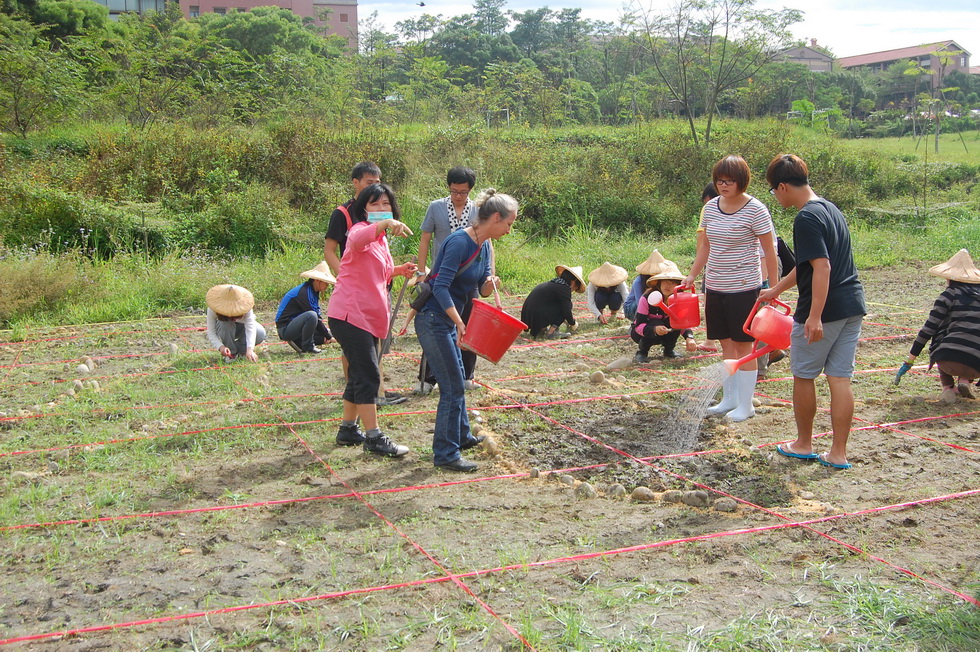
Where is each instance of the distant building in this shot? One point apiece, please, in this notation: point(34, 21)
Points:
point(341, 20)
point(975, 70)
point(924, 55)
point(814, 59)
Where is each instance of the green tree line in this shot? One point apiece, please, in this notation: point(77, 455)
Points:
point(64, 60)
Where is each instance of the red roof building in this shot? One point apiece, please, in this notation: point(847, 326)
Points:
point(927, 56)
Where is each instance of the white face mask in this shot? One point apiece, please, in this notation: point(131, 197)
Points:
point(379, 216)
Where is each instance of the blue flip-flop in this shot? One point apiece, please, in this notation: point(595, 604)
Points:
point(798, 456)
point(825, 462)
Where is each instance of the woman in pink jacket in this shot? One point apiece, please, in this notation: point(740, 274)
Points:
point(358, 313)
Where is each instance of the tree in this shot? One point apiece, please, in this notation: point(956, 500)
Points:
point(38, 86)
point(703, 48)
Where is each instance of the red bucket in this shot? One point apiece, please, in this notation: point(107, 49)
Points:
point(490, 332)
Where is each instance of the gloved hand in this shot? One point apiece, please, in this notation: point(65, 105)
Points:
point(901, 371)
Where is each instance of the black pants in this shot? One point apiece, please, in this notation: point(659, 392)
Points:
point(361, 350)
point(669, 340)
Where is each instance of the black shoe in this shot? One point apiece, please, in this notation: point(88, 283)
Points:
point(381, 445)
point(386, 401)
point(350, 436)
point(640, 358)
point(314, 350)
point(294, 346)
point(776, 356)
point(476, 441)
point(671, 353)
point(460, 464)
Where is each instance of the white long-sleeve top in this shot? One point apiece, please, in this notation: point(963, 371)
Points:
point(590, 297)
point(248, 319)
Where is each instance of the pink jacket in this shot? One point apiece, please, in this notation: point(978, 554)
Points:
point(360, 296)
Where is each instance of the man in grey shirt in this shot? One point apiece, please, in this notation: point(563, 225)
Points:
point(445, 216)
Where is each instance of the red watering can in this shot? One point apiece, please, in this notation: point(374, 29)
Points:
point(683, 310)
point(767, 325)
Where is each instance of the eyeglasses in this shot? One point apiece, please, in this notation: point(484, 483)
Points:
point(459, 193)
point(772, 191)
point(725, 182)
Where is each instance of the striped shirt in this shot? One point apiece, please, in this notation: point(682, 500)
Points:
point(733, 239)
point(953, 326)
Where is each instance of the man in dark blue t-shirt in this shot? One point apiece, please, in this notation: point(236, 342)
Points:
point(827, 322)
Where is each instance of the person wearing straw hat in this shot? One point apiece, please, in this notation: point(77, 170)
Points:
point(358, 314)
point(298, 320)
point(462, 268)
point(651, 324)
point(606, 289)
point(644, 271)
point(954, 328)
point(232, 327)
point(549, 305)
point(829, 310)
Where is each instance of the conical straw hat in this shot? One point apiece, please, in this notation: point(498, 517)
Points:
point(320, 273)
point(607, 275)
point(958, 268)
point(576, 272)
point(668, 272)
point(652, 264)
point(230, 300)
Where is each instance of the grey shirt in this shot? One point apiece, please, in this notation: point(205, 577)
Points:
point(437, 222)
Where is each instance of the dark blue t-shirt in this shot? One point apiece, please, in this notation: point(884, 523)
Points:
point(450, 287)
point(821, 232)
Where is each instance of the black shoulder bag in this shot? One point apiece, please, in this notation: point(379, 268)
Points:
point(423, 289)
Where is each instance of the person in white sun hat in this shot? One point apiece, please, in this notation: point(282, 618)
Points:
point(606, 289)
point(549, 305)
point(954, 328)
point(232, 328)
point(652, 325)
point(299, 320)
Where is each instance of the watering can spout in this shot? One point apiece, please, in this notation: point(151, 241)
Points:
point(731, 366)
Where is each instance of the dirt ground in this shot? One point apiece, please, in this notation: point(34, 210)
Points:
point(208, 507)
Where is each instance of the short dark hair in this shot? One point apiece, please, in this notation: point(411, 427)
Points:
point(365, 167)
point(358, 210)
point(460, 174)
point(787, 168)
point(734, 167)
point(709, 192)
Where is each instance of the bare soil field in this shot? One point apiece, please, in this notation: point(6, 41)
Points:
point(167, 500)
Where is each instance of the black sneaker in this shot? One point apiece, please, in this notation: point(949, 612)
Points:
point(294, 346)
point(640, 358)
point(381, 445)
point(671, 353)
point(350, 435)
point(476, 441)
point(459, 465)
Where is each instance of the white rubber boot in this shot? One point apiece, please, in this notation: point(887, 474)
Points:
point(729, 397)
point(745, 383)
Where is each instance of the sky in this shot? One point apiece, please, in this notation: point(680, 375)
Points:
point(846, 27)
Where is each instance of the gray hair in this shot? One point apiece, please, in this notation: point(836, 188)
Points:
point(490, 201)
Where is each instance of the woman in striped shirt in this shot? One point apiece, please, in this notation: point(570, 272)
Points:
point(735, 226)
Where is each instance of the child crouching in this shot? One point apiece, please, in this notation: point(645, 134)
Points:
point(651, 324)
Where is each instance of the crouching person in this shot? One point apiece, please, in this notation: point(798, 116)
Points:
point(299, 321)
point(232, 327)
point(652, 325)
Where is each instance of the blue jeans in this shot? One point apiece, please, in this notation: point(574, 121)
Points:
point(437, 335)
